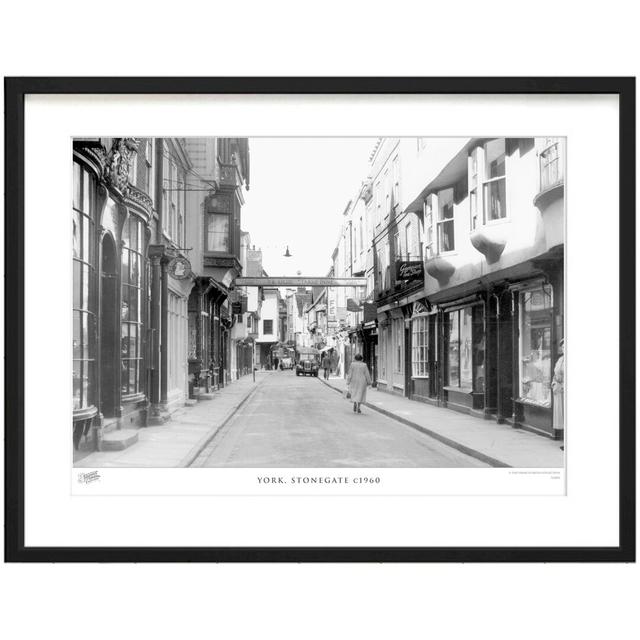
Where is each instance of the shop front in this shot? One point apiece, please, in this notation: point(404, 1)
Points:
point(423, 354)
point(111, 293)
point(492, 353)
point(464, 345)
point(539, 331)
point(207, 345)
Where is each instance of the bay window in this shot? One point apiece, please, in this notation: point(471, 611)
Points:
point(487, 183)
point(396, 182)
point(218, 232)
point(84, 319)
point(536, 315)
point(133, 268)
point(551, 170)
point(148, 163)
point(473, 188)
point(446, 231)
point(494, 187)
point(429, 250)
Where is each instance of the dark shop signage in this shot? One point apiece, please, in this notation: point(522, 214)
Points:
point(410, 270)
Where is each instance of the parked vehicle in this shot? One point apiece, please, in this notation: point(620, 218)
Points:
point(307, 362)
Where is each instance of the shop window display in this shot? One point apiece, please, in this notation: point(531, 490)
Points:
point(536, 314)
point(479, 346)
point(466, 349)
point(84, 320)
point(454, 349)
point(131, 312)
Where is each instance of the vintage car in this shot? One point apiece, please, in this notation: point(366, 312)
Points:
point(307, 362)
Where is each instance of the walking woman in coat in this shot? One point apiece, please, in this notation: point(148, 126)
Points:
point(357, 380)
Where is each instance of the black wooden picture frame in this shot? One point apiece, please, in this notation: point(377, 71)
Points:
point(16, 89)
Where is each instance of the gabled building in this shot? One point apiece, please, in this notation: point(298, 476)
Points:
point(269, 326)
point(493, 229)
point(220, 177)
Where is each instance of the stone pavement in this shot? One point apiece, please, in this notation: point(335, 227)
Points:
point(179, 441)
point(496, 444)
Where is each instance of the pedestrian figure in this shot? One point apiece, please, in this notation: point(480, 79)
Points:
point(557, 385)
point(275, 363)
point(357, 380)
point(326, 365)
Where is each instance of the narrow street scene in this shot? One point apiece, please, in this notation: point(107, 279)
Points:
point(318, 302)
point(300, 422)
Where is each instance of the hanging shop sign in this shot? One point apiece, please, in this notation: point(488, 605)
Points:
point(179, 268)
point(410, 270)
point(218, 203)
point(353, 306)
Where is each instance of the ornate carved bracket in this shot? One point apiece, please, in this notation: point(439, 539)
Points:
point(117, 163)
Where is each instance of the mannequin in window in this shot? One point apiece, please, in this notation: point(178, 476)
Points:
point(557, 386)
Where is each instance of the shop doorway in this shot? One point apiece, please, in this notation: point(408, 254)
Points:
point(504, 365)
point(109, 325)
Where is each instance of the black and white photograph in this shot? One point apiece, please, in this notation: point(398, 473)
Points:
point(294, 326)
point(318, 302)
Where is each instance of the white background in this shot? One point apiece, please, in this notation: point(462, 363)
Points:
point(319, 601)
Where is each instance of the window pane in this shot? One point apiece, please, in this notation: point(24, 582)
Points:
point(141, 375)
point(134, 269)
point(478, 349)
point(453, 351)
point(446, 239)
point(85, 287)
point(87, 248)
point(126, 240)
point(536, 317)
point(124, 342)
point(77, 384)
point(133, 376)
point(85, 336)
point(77, 186)
point(495, 200)
point(550, 164)
point(125, 309)
point(133, 231)
point(87, 188)
point(77, 284)
point(89, 368)
point(218, 232)
point(495, 158)
point(134, 306)
point(125, 266)
point(77, 334)
point(465, 347)
point(133, 340)
point(77, 247)
point(124, 377)
point(445, 204)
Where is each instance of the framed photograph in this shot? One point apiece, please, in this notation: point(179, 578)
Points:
point(320, 319)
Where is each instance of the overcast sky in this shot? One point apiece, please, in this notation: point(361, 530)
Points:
point(299, 189)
